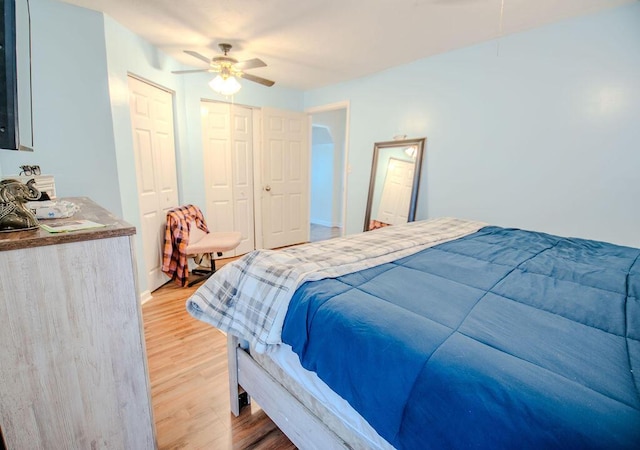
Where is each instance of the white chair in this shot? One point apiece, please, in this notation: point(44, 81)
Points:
point(210, 243)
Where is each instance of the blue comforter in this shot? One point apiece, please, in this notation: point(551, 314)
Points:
point(502, 339)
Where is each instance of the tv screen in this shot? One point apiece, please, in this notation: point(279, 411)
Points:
point(16, 120)
point(8, 82)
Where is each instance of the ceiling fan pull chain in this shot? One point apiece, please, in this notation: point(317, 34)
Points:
point(500, 28)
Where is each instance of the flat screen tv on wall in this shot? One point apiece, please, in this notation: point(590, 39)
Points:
point(8, 78)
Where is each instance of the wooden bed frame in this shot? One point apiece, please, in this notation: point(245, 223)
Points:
point(248, 379)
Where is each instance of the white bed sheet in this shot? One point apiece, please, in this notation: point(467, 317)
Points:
point(289, 362)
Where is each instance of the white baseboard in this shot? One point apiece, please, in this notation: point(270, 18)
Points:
point(145, 297)
point(324, 223)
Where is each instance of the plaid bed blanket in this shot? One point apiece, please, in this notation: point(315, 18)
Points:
point(250, 296)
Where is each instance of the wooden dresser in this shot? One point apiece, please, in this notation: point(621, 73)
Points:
point(73, 367)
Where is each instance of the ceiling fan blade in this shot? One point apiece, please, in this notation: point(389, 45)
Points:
point(250, 64)
point(191, 71)
point(259, 80)
point(198, 55)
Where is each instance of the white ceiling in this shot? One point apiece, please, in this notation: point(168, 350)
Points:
point(313, 43)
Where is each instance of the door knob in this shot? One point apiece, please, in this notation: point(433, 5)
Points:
point(267, 188)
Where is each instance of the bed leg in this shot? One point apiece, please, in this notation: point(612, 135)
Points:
point(243, 399)
point(237, 398)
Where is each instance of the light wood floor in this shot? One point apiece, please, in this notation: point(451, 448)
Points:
point(189, 385)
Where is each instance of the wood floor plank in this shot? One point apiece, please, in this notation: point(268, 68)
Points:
point(189, 382)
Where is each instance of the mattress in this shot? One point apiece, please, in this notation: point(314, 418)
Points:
point(335, 412)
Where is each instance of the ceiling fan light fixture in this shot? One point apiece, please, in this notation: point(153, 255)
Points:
point(225, 85)
point(411, 151)
point(228, 70)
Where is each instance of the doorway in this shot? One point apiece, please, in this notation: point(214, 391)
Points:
point(328, 171)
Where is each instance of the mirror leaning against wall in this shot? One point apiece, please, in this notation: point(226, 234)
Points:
point(395, 179)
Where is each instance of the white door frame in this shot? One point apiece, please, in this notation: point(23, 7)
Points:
point(257, 177)
point(345, 174)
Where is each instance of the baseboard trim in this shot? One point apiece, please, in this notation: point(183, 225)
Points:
point(145, 296)
point(324, 223)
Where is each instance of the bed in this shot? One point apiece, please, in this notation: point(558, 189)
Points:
point(436, 334)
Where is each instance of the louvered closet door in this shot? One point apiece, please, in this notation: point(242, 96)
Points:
point(154, 151)
point(228, 171)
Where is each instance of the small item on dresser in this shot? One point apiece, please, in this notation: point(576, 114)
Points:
point(14, 215)
point(53, 209)
point(29, 170)
point(69, 225)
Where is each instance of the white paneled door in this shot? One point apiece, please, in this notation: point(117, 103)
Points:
point(242, 154)
point(285, 177)
point(227, 137)
point(155, 159)
point(396, 192)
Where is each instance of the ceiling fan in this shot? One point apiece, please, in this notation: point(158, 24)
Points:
point(227, 67)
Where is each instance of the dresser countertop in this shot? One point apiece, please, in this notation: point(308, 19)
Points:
point(89, 210)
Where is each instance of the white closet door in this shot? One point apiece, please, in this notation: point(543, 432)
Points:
point(218, 175)
point(242, 155)
point(154, 151)
point(228, 171)
point(285, 178)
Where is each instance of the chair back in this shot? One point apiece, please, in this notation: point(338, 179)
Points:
point(195, 233)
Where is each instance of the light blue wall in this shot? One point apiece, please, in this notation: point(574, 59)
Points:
point(543, 136)
point(322, 184)
point(73, 131)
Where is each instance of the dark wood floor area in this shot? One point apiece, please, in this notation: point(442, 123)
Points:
point(189, 386)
